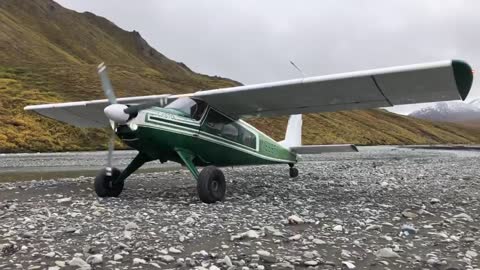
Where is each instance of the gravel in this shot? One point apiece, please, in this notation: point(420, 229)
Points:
point(382, 208)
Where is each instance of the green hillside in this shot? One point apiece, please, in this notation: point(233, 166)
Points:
point(49, 54)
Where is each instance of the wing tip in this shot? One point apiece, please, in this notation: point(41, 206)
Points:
point(463, 77)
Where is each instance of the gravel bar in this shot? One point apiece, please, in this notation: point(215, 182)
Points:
point(381, 208)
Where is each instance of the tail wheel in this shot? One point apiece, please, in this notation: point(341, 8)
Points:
point(211, 185)
point(104, 186)
point(293, 172)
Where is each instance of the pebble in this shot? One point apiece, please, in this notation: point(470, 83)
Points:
point(139, 261)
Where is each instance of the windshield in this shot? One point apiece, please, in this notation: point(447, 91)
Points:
point(189, 107)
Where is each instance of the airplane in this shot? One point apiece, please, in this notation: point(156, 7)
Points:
point(205, 128)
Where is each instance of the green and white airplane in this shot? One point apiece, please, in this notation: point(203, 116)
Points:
point(206, 129)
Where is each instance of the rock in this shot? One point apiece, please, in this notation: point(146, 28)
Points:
point(131, 226)
point(295, 237)
point(471, 254)
point(50, 254)
point(263, 252)
point(318, 242)
point(64, 200)
point(166, 258)
point(189, 221)
point(79, 263)
point(338, 228)
point(213, 267)
point(373, 227)
point(408, 228)
point(283, 266)
point(60, 263)
point(434, 200)
point(228, 261)
point(174, 250)
point(95, 259)
point(464, 216)
point(53, 268)
point(408, 214)
point(349, 264)
point(139, 261)
point(117, 257)
point(310, 263)
point(127, 235)
point(251, 234)
point(386, 253)
point(295, 220)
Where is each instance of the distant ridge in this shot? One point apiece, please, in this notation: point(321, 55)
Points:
point(49, 54)
point(453, 111)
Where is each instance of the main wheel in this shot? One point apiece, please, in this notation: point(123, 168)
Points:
point(293, 172)
point(104, 186)
point(211, 185)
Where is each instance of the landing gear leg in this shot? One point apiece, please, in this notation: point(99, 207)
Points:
point(293, 171)
point(109, 181)
point(211, 185)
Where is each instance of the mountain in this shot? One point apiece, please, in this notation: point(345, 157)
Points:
point(50, 53)
point(453, 111)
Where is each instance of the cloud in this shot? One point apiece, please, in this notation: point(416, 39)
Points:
point(253, 41)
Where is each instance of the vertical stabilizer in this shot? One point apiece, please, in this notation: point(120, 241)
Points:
point(293, 136)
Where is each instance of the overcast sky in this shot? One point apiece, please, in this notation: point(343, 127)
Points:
point(253, 41)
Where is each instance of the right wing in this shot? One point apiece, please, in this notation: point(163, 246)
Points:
point(385, 87)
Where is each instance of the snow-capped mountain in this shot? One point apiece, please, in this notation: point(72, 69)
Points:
point(452, 111)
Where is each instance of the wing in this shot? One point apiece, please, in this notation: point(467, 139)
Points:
point(439, 81)
point(86, 113)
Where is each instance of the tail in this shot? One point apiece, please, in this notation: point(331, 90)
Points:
point(293, 140)
point(293, 136)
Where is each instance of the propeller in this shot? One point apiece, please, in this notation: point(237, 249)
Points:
point(119, 114)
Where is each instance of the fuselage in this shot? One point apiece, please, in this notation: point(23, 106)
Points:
point(212, 137)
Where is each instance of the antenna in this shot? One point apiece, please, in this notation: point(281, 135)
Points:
point(297, 68)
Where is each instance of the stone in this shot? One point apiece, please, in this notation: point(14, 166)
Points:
point(131, 226)
point(295, 237)
point(408, 228)
point(338, 228)
point(174, 250)
point(373, 227)
point(166, 258)
point(464, 216)
point(348, 264)
point(263, 252)
point(79, 263)
point(139, 261)
point(318, 242)
point(294, 219)
point(117, 257)
point(227, 261)
point(434, 200)
point(64, 200)
point(386, 253)
point(310, 263)
point(95, 259)
point(408, 214)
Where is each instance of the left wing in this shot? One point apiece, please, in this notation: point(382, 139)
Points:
point(86, 113)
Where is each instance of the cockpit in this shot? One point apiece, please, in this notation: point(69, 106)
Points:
point(188, 107)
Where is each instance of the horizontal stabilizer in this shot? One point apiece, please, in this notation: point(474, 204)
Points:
point(318, 149)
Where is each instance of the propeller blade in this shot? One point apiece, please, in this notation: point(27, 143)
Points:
point(111, 148)
point(106, 84)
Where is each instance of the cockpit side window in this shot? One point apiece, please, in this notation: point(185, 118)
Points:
point(188, 107)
